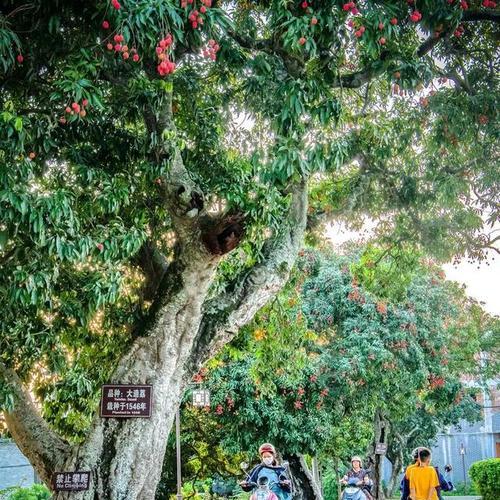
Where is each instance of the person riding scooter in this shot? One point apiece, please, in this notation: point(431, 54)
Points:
point(278, 481)
point(357, 476)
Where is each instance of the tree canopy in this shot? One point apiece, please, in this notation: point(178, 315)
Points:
point(157, 155)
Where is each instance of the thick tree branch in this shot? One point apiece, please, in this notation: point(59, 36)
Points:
point(473, 15)
point(225, 314)
point(430, 43)
point(360, 78)
point(181, 195)
point(293, 63)
point(251, 44)
point(357, 79)
point(43, 447)
point(467, 16)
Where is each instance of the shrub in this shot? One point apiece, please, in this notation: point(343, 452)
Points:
point(330, 485)
point(462, 489)
point(486, 477)
point(35, 492)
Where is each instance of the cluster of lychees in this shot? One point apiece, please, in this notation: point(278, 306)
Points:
point(195, 16)
point(165, 66)
point(75, 109)
point(211, 49)
point(122, 48)
point(350, 6)
point(360, 29)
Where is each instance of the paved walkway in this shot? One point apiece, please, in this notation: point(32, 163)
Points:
point(462, 498)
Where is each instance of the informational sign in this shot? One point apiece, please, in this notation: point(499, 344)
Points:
point(71, 481)
point(126, 401)
point(380, 449)
point(201, 397)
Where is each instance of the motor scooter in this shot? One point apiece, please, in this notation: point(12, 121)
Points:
point(263, 490)
point(353, 491)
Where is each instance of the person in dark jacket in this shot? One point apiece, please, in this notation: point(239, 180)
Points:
point(276, 474)
point(445, 483)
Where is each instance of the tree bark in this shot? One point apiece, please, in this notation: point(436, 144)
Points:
point(304, 485)
point(43, 448)
point(125, 456)
point(226, 313)
point(317, 474)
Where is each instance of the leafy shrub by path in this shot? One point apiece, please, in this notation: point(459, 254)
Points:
point(486, 477)
point(35, 492)
point(462, 490)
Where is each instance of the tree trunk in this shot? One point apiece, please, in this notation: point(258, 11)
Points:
point(304, 485)
point(183, 329)
point(125, 456)
point(397, 463)
point(381, 435)
point(317, 474)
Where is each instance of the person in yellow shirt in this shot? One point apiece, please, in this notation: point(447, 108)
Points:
point(423, 477)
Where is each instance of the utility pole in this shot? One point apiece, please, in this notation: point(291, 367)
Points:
point(462, 453)
point(201, 398)
point(178, 452)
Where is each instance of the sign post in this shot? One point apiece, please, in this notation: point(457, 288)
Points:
point(201, 398)
point(380, 449)
point(178, 452)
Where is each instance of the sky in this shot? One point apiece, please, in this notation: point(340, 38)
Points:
point(482, 281)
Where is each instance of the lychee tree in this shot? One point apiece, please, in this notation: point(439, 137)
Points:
point(141, 142)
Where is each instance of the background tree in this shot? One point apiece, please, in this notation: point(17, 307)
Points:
point(347, 362)
point(127, 178)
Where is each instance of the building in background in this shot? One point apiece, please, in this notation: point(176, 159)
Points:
point(15, 470)
point(462, 446)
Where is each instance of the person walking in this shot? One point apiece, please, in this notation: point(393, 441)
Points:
point(423, 478)
point(445, 482)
